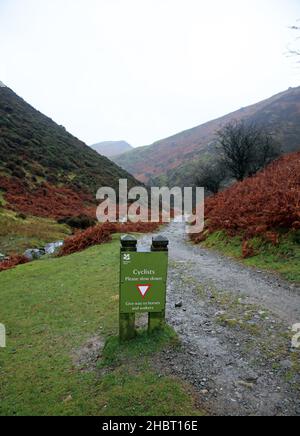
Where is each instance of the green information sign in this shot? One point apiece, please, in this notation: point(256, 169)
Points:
point(143, 282)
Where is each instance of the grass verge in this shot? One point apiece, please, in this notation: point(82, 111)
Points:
point(283, 258)
point(52, 308)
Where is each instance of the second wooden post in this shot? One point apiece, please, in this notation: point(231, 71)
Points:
point(157, 320)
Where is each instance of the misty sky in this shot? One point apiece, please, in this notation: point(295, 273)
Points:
point(141, 70)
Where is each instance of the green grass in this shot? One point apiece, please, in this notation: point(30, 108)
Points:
point(141, 347)
point(16, 234)
point(283, 258)
point(52, 308)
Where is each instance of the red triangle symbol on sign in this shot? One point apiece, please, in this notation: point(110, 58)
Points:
point(143, 289)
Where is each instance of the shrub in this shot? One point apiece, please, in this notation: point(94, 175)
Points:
point(263, 205)
point(12, 262)
point(21, 216)
point(51, 179)
point(19, 173)
point(11, 166)
point(78, 222)
point(100, 234)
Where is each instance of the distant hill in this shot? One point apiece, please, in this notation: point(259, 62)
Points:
point(174, 161)
point(112, 148)
point(44, 170)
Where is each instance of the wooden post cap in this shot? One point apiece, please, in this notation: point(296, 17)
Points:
point(160, 243)
point(128, 241)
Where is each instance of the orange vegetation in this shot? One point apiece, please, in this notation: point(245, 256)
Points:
point(46, 200)
point(261, 205)
point(12, 262)
point(100, 234)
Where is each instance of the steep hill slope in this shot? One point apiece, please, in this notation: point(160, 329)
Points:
point(174, 160)
point(44, 170)
point(266, 205)
point(259, 219)
point(112, 148)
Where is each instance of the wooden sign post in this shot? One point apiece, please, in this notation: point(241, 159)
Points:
point(157, 319)
point(143, 284)
point(127, 319)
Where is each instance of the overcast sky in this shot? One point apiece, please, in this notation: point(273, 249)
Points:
point(141, 70)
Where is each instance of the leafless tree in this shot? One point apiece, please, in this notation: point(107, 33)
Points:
point(211, 175)
point(245, 148)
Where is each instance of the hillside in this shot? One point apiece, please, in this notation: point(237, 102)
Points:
point(262, 205)
point(44, 170)
point(112, 148)
point(174, 160)
point(259, 217)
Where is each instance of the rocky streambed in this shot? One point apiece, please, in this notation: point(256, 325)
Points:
point(37, 253)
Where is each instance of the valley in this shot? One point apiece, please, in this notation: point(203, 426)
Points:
point(149, 285)
point(111, 149)
point(233, 293)
point(175, 161)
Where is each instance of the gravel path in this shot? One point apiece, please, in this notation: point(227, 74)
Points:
point(235, 327)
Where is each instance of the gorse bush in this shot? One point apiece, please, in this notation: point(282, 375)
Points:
point(78, 222)
point(21, 216)
point(19, 173)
